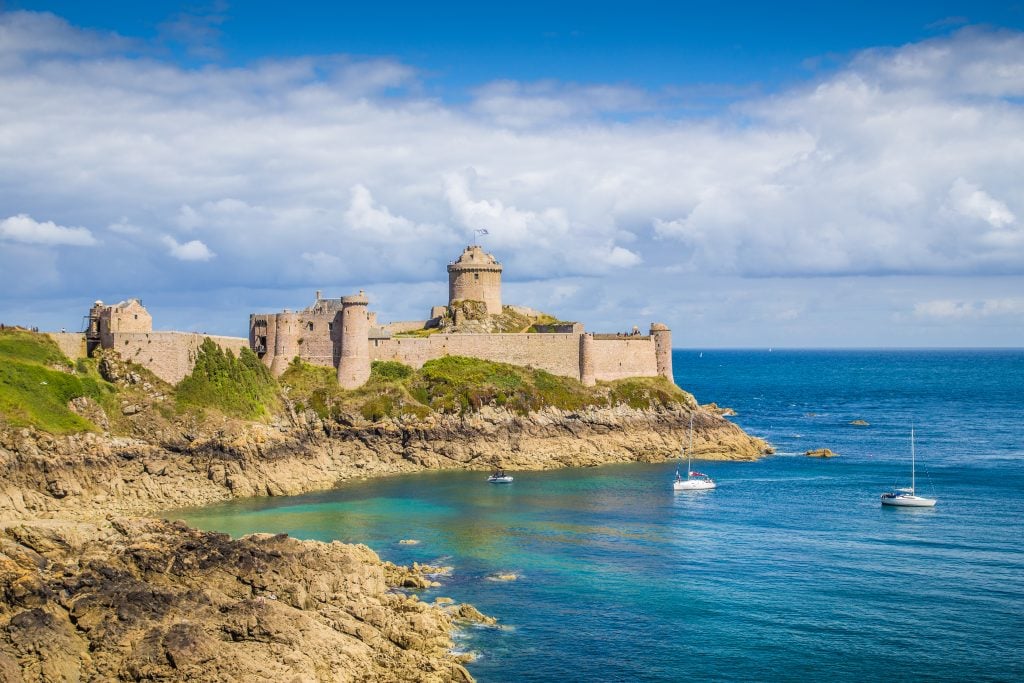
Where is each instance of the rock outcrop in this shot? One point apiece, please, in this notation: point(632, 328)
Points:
point(132, 599)
point(92, 474)
point(820, 453)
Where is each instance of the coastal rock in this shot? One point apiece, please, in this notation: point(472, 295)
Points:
point(90, 475)
point(717, 410)
point(469, 614)
point(147, 599)
point(505, 576)
point(860, 423)
point(821, 453)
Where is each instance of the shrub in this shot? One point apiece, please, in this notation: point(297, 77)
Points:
point(241, 387)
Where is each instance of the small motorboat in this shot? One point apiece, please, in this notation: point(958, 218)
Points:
point(500, 477)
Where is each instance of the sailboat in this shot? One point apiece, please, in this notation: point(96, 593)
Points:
point(695, 481)
point(907, 497)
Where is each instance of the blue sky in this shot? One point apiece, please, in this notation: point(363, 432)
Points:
point(811, 174)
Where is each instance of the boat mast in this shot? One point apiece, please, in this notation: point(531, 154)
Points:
point(913, 485)
point(689, 451)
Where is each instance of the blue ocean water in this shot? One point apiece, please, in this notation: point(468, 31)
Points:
point(790, 569)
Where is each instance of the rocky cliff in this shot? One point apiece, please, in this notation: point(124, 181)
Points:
point(90, 473)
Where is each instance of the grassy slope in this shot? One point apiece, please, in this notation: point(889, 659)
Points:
point(37, 381)
point(459, 385)
point(33, 392)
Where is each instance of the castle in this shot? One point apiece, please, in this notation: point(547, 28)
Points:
point(344, 334)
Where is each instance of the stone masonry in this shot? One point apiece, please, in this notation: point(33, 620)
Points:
point(343, 334)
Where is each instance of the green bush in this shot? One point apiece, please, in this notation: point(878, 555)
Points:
point(241, 387)
point(390, 371)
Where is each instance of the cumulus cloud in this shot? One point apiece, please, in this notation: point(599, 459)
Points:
point(902, 161)
point(25, 229)
point(193, 250)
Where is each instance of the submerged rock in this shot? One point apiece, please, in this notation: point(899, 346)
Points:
point(861, 423)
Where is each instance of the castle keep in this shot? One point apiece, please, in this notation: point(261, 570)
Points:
point(342, 333)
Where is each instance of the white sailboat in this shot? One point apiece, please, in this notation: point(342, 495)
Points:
point(694, 481)
point(907, 497)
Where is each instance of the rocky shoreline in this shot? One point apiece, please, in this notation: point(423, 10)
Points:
point(93, 592)
point(88, 474)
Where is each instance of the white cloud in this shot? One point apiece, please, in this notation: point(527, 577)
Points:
point(973, 202)
point(124, 227)
point(950, 309)
point(294, 171)
point(23, 228)
point(193, 250)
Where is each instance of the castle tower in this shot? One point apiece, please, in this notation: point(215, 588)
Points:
point(475, 276)
point(263, 337)
point(663, 349)
point(286, 342)
point(587, 360)
point(354, 362)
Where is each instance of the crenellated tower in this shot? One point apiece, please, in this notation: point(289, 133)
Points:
point(475, 276)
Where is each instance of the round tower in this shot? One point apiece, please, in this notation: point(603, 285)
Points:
point(662, 349)
point(475, 276)
point(354, 362)
point(286, 342)
point(587, 360)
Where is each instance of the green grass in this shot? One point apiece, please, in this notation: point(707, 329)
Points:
point(385, 394)
point(240, 387)
point(31, 347)
point(34, 394)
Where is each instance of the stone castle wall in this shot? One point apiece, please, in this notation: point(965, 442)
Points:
point(559, 354)
point(169, 355)
point(625, 357)
point(71, 344)
point(405, 326)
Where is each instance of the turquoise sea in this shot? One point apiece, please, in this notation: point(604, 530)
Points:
point(789, 570)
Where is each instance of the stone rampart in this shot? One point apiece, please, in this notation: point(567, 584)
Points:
point(623, 357)
point(405, 326)
point(169, 355)
point(71, 344)
point(559, 354)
